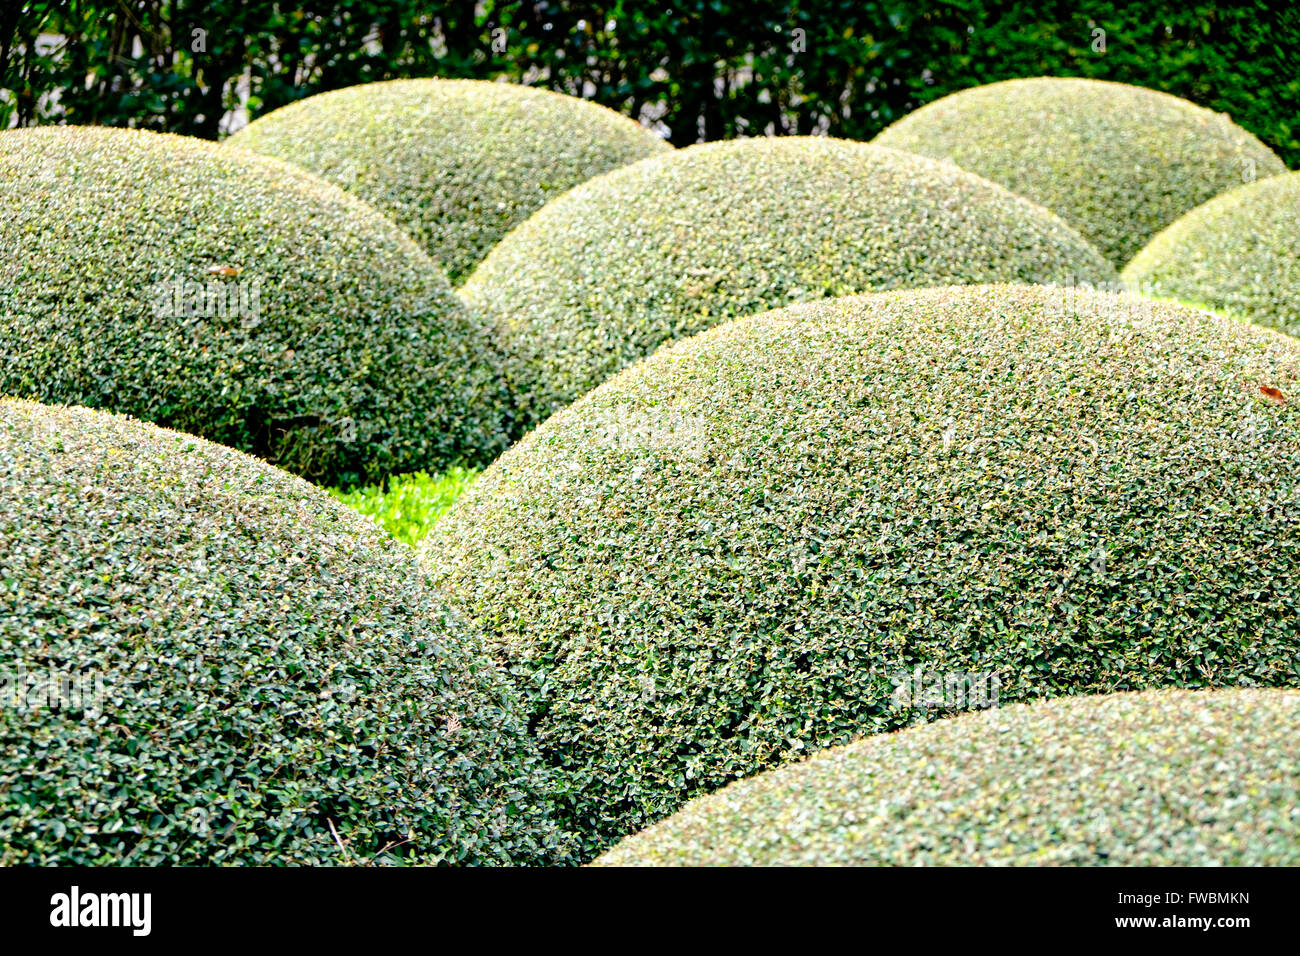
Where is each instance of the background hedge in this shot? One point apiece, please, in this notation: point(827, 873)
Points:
point(666, 247)
point(1165, 778)
point(455, 163)
point(1238, 253)
point(283, 686)
point(700, 69)
point(725, 556)
point(357, 361)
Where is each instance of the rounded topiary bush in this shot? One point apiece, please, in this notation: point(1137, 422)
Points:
point(745, 545)
point(456, 163)
point(678, 243)
point(1238, 253)
point(243, 671)
point(1164, 778)
point(235, 297)
point(1117, 162)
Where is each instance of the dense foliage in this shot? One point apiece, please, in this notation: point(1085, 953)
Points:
point(280, 684)
point(1117, 162)
point(725, 556)
point(1239, 253)
point(675, 244)
point(239, 298)
point(455, 163)
point(704, 69)
point(1164, 778)
point(810, 529)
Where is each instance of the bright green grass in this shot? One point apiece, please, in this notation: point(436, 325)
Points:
point(408, 505)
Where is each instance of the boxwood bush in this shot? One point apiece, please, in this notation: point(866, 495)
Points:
point(1238, 253)
point(678, 243)
point(1163, 778)
point(1118, 162)
point(727, 555)
point(280, 683)
point(235, 297)
point(456, 163)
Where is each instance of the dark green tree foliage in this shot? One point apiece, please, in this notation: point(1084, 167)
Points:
point(149, 68)
point(705, 69)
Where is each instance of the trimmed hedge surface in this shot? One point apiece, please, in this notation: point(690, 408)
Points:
point(1164, 778)
point(1117, 162)
point(681, 242)
point(1239, 253)
point(727, 555)
point(235, 297)
point(456, 163)
point(281, 683)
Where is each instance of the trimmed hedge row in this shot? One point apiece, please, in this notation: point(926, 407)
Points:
point(726, 556)
point(280, 684)
point(1165, 778)
point(1117, 162)
point(235, 297)
point(675, 244)
point(456, 163)
point(1238, 253)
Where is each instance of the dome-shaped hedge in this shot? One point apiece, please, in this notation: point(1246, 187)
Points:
point(280, 683)
point(1117, 162)
point(456, 163)
point(682, 242)
point(235, 297)
point(1239, 253)
point(729, 553)
point(1164, 778)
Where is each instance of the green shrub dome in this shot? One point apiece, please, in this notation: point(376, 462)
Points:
point(281, 684)
point(676, 244)
point(1238, 253)
point(739, 549)
point(1163, 778)
point(1117, 162)
point(456, 163)
point(235, 297)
